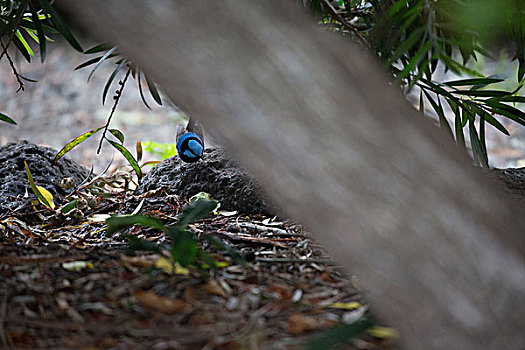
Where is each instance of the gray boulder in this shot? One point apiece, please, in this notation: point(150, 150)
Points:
point(216, 174)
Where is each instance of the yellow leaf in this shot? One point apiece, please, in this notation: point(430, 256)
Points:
point(168, 267)
point(353, 305)
point(47, 195)
point(382, 332)
point(77, 265)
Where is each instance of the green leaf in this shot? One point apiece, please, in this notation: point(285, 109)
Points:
point(137, 244)
point(184, 248)
point(153, 90)
point(232, 252)
point(92, 61)
point(482, 93)
point(102, 59)
point(75, 142)
point(397, 6)
point(98, 48)
point(331, 337)
point(39, 31)
point(6, 119)
point(129, 157)
point(406, 45)
point(118, 222)
point(23, 46)
point(60, 25)
point(460, 137)
point(443, 123)
point(41, 198)
point(517, 99)
point(501, 106)
point(69, 206)
point(473, 81)
point(139, 73)
point(110, 80)
point(495, 123)
point(477, 148)
point(199, 209)
point(118, 134)
point(414, 61)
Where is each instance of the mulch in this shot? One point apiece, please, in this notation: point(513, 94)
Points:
point(65, 284)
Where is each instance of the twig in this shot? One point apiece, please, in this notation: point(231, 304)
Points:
point(295, 260)
point(116, 97)
point(4, 49)
point(15, 72)
point(337, 16)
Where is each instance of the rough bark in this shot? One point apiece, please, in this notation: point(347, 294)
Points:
point(437, 245)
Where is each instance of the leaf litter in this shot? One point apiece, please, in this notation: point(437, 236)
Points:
point(65, 283)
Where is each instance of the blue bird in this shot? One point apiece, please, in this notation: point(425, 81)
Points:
point(190, 142)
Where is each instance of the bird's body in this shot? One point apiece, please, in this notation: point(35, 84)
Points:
point(190, 142)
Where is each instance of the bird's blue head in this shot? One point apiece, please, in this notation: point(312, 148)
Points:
point(190, 147)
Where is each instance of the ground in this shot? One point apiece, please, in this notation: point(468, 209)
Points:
point(66, 283)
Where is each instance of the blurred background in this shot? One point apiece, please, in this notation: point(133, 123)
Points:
point(63, 105)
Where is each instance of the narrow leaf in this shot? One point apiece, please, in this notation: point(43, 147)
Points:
point(47, 195)
point(482, 93)
point(129, 157)
point(92, 61)
point(473, 81)
point(6, 119)
point(98, 48)
point(110, 80)
point(139, 73)
point(34, 187)
point(184, 248)
point(332, 337)
point(199, 209)
point(69, 206)
point(23, 50)
point(118, 222)
point(60, 25)
point(138, 148)
point(118, 134)
point(39, 30)
point(75, 142)
point(102, 59)
point(153, 90)
point(443, 123)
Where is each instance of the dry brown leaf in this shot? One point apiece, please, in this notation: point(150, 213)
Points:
point(299, 323)
point(213, 287)
point(138, 261)
point(159, 303)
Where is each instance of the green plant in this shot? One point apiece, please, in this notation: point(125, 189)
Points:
point(413, 38)
point(183, 249)
point(163, 150)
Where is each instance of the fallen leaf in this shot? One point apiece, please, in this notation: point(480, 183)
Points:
point(300, 323)
point(382, 332)
point(353, 305)
point(159, 303)
point(77, 265)
point(168, 266)
point(143, 261)
point(213, 287)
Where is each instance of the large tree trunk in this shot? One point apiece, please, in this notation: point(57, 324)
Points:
point(438, 247)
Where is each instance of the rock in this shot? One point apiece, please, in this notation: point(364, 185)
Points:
point(513, 179)
point(216, 174)
point(13, 178)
